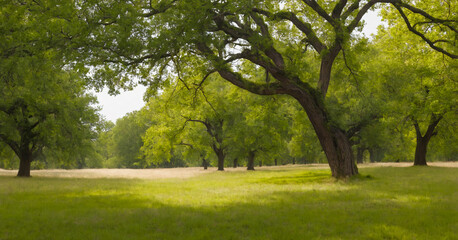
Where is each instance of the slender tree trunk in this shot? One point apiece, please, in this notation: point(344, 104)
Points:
point(275, 162)
point(204, 163)
point(422, 141)
point(376, 154)
point(250, 164)
point(221, 155)
point(25, 161)
point(359, 154)
point(294, 160)
point(235, 162)
point(260, 163)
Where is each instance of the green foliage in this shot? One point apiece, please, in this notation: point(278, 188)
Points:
point(127, 140)
point(195, 124)
point(417, 85)
point(45, 109)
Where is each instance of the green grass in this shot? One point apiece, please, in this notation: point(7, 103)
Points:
point(393, 203)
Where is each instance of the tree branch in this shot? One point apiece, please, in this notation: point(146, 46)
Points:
point(318, 9)
point(305, 28)
point(427, 40)
point(237, 79)
point(360, 14)
point(337, 11)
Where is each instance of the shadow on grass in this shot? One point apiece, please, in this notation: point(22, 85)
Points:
point(315, 176)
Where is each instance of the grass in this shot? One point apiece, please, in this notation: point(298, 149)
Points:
point(393, 203)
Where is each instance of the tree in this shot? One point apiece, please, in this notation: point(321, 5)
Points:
point(216, 120)
point(260, 130)
point(104, 145)
point(419, 84)
point(127, 139)
point(43, 107)
point(153, 39)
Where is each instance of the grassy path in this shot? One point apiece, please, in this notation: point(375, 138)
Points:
point(282, 203)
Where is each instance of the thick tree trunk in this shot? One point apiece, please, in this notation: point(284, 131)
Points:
point(420, 152)
point(250, 164)
point(333, 140)
point(220, 161)
point(294, 160)
point(24, 165)
point(422, 141)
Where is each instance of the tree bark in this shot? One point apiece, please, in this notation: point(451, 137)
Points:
point(250, 164)
point(204, 163)
point(422, 141)
point(25, 161)
point(221, 157)
point(420, 152)
point(376, 154)
point(235, 162)
point(359, 154)
point(333, 140)
point(275, 162)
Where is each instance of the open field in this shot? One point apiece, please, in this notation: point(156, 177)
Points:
point(189, 172)
point(287, 202)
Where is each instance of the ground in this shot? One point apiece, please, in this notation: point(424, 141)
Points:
point(188, 172)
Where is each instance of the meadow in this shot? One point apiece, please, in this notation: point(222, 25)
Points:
point(270, 203)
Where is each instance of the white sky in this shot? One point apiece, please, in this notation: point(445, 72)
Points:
point(114, 107)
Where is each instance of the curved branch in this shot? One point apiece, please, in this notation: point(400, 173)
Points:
point(360, 14)
point(237, 79)
point(337, 11)
point(318, 9)
point(305, 28)
point(351, 9)
point(427, 40)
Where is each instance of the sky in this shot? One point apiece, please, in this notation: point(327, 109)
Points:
point(114, 107)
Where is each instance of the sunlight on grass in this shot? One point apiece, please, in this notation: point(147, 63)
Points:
point(292, 204)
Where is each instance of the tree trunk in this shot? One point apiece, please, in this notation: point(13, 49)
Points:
point(333, 140)
point(359, 154)
point(420, 152)
point(376, 154)
point(294, 160)
point(275, 162)
point(422, 141)
point(221, 156)
point(250, 164)
point(235, 162)
point(24, 165)
point(260, 163)
point(204, 163)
